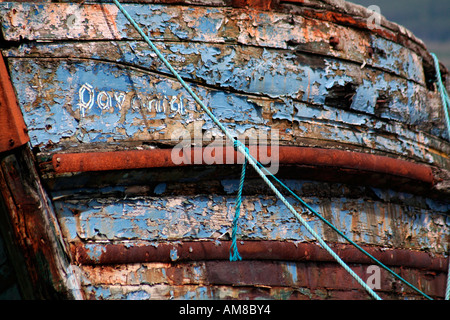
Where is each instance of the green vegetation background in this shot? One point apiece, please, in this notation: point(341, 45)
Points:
point(429, 20)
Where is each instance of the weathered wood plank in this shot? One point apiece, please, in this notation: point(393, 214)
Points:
point(369, 221)
point(68, 103)
point(56, 22)
point(244, 280)
point(94, 254)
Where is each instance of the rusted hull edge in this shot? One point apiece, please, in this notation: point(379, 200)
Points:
point(34, 229)
point(104, 254)
point(123, 160)
point(248, 280)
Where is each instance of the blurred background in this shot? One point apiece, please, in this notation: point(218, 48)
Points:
point(429, 20)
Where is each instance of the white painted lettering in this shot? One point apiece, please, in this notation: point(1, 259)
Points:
point(172, 104)
point(104, 100)
point(88, 97)
point(83, 104)
point(150, 105)
point(136, 103)
point(120, 98)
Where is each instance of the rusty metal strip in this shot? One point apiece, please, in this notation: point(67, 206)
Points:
point(317, 157)
point(13, 131)
point(102, 254)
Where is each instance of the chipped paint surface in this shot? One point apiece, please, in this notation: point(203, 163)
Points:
point(86, 102)
point(86, 82)
point(211, 280)
point(208, 24)
point(374, 222)
point(369, 216)
point(384, 106)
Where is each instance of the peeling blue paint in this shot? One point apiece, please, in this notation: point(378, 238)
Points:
point(101, 293)
point(94, 251)
point(118, 105)
point(291, 270)
point(138, 295)
point(174, 254)
point(249, 88)
point(263, 217)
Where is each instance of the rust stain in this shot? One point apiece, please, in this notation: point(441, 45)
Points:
point(245, 280)
point(255, 4)
point(104, 254)
point(344, 19)
point(13, 131)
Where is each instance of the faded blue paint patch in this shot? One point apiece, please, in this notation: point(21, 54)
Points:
point(229, 107)
point(395, 62)
point(207, 25)
point(123, 105)
point(291, 270)
point(160, 188)
point(201, 293)
point(94, 251)
point(283, 111)
point(138, 295)
point(100, 292)
point(173, 254)
point(270, 76)
point(50, 121)
point(154, 19)
point(375, 221)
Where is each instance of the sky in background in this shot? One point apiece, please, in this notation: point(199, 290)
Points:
point(429, 20)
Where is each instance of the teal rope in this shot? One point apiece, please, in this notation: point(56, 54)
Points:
point(234, 252)
point(443, 93)
point(447, 292)
point(311, 230)
point(172, 70)
point(247, 156)
point(446, 104)
point(345, 237)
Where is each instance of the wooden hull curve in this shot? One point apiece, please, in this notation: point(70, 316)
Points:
point(359, 135)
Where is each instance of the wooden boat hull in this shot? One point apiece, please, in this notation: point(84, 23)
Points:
point(349, 114)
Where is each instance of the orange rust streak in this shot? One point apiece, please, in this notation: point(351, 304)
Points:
point(344, 19)
point(255, 4)
point(13, 131)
